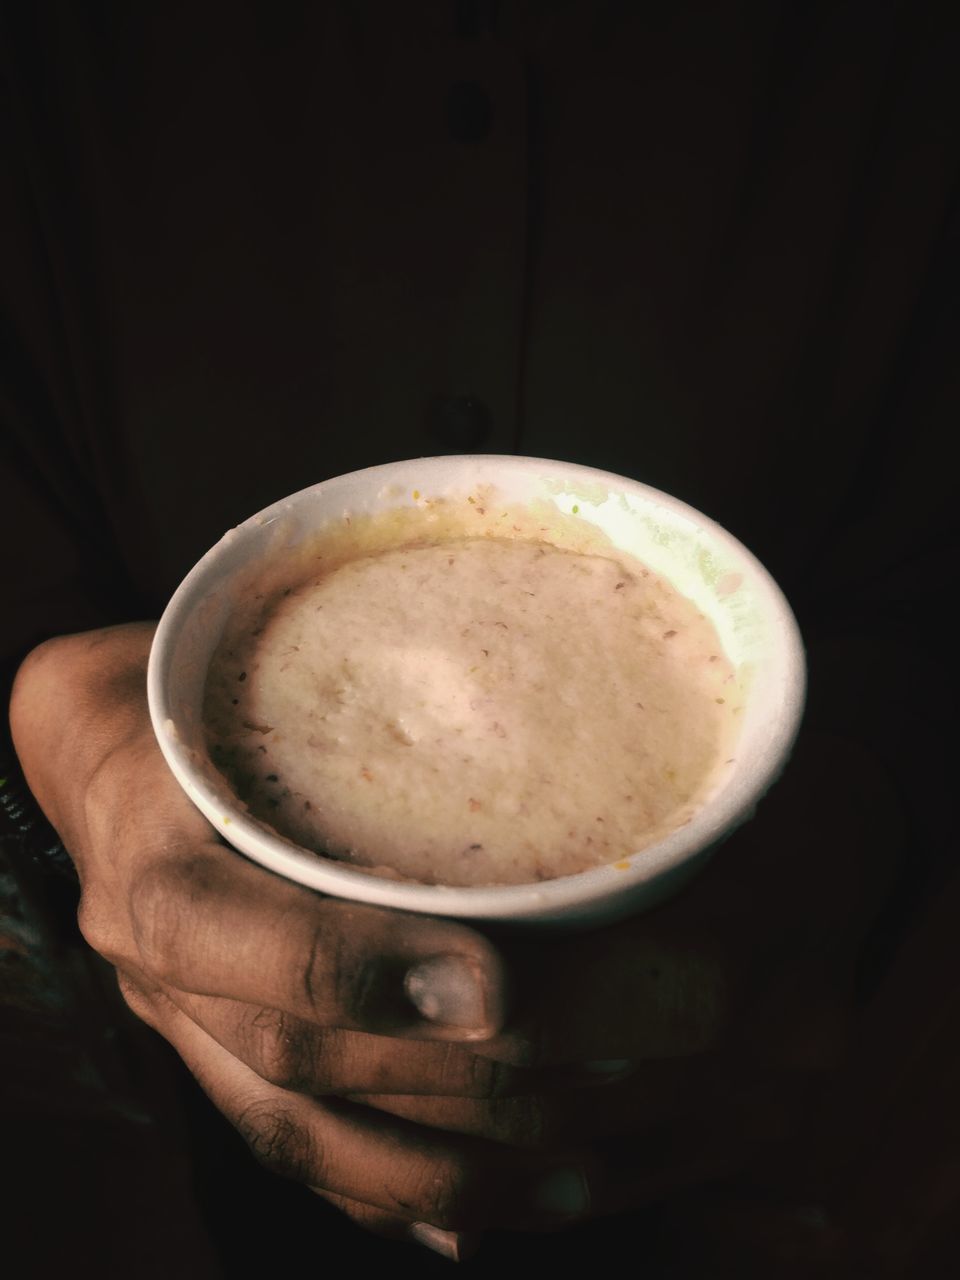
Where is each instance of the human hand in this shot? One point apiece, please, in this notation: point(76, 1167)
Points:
point(709, 1009)
point(279, 1001)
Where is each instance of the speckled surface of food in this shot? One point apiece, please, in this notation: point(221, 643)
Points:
point(474, 712)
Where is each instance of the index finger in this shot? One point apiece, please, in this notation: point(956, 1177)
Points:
point(208, 922)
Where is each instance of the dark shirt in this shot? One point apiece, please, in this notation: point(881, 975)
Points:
point(712, 247)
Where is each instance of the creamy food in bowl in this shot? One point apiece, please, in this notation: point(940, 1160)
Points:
point(483, 687)
point(475, 711)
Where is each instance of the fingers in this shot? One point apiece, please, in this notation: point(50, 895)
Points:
point(295, 1054)
point(709, 1099)
point(163, 896)
point(391, 1226)
point(406, 1171)
point(568, 1118)
point(455, 1246)
point(210, 923)
point(455, 1184)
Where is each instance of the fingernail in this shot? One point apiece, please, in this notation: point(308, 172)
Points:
point(453, 1245)
point(448, 990)
point(564, 1192)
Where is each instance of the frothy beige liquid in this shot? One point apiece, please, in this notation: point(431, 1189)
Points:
point(474, 712)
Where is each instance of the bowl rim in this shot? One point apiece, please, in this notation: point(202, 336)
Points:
point(587, 892)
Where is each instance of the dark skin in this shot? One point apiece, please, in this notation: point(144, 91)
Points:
point(570, 1076)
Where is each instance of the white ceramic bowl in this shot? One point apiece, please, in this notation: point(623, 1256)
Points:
point(571, 505)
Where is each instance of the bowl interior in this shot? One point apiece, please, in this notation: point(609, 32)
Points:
point(568, 505)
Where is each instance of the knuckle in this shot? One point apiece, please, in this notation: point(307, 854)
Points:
point(354, 986)
point(154, 917)
point(279, 1142)
point(97, 923)
point(479, 1077)
point(519, 1122)
point(139, 1002)
point(335, 978)
point(273, 1042)
point(101, 789)
point(163, 901)
point(443, 1192)
point(450, 1190)
point(326, 1062)
point(112, 820)
point(321, 966)
point(135, 997)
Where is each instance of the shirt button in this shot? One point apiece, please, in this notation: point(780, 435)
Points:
point(458, 424)
point(469, 112)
